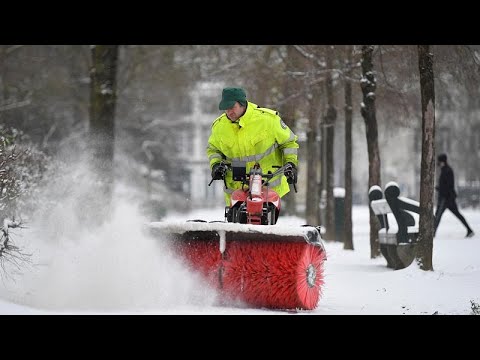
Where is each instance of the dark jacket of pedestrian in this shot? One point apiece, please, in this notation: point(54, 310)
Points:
point(447, 195)
point(446, 183)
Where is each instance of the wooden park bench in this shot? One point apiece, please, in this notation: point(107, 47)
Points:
point(399, 218)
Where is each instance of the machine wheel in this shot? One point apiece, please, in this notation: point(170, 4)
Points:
point(235, 217)
point(273, 216)
point(238, 216)
point(269, 216)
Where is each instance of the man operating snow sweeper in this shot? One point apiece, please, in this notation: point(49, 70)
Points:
point(251, 134)
point(250, 259)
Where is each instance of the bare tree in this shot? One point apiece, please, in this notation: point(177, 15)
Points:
point(311, 202)
point(11, 256)
point(288, 112)
point(328, 131)
point(368, 86)
point(348, 237)
point(305, 68)
point(10, 191)
point(263, 71)
point(10, 186)
point(427, 177)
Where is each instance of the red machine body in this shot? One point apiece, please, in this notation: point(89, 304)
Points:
point(259, 202)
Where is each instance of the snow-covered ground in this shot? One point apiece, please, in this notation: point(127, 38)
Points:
point(120, 270)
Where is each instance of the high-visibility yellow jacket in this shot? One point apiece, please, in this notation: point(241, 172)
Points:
point(260, 136)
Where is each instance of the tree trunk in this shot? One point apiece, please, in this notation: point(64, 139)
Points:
point(312, 202)
point(264, 87)
point(368, 85)
point(329, 124)
point(427, 172)
point(287, 112)
point(348, 237)
point(102, 120)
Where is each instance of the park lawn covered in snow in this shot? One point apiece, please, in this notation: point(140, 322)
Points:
point(119, 270)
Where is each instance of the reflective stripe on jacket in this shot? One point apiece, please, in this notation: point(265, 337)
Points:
point(260, 136)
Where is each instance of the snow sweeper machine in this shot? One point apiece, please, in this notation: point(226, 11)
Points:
point(248, 258)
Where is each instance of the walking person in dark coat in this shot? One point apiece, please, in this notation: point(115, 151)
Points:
point(447, 194)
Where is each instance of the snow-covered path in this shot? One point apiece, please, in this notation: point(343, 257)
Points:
point(119, 270)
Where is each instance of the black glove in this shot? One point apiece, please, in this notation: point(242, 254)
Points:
point(218, 171)
point(291, 174)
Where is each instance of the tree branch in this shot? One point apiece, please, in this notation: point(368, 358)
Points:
point(10, 254)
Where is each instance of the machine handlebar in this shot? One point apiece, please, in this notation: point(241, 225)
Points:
point(256, 170)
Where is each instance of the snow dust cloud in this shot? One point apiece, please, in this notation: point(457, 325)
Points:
point(114, 267)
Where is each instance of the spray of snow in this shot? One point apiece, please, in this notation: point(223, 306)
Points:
point(114, 267)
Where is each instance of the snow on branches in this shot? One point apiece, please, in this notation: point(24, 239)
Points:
point(10, 254)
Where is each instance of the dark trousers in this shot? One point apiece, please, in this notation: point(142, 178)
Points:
point(450, 204)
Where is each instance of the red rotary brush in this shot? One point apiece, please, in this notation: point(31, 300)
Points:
point(262, 268)
point(203, 257)
point(278, 275)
